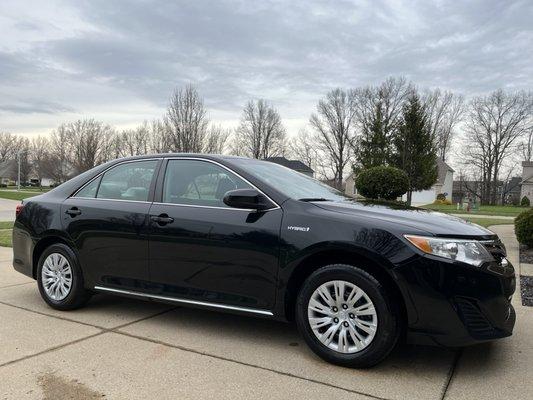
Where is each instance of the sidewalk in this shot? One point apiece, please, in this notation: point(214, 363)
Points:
point(474, 215)
point(128, 349)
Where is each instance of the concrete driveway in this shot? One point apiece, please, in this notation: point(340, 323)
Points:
point(126, 349)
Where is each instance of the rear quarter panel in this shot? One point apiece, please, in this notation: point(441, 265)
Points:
point(39, 219)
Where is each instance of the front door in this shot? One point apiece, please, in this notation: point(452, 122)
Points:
point(203, 250)
point(108, 222)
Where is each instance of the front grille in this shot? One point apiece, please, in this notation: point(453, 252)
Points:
point(476, 323)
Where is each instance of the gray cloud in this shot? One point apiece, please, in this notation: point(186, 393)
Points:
point(130, 55)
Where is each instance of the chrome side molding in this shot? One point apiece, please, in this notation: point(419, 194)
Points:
point(186, 301)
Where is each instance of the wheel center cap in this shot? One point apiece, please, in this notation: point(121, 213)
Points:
point(342, 314)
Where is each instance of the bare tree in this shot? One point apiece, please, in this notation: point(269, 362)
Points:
point(57, 162)
point(378, 110)
point(134, 141)
point(444, 110)
point(494, 125)
point(389, 96)
point(185, 121)
point(159, 141)
point(23, 158)
point(8, 146)
point(89, 143)
point(38, 157)
point(260, 133)
point(302, 147)
point(215, 140)
point(333, 124)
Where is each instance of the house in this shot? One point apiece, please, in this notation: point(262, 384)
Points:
point(527, 180)
point(443, 185)
point(349, 186)
point(292, 164)
point(507, 192)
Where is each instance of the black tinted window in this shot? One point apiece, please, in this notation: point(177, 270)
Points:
point(198, 182)
point(129, 181)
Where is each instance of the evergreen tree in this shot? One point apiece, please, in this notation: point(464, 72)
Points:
point(414, 149)
point(374, 145)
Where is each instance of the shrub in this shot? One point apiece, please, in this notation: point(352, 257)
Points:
point(382, 183)
point(525, 202)
point(441, 197)
point(445, 202)
point(523, 227)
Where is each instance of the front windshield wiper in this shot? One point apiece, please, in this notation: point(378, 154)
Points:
point(314, 199)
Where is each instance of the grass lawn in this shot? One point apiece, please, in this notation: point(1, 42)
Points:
point(486, 222)
point(510, 211)
point(5, 233)
point(12, 194)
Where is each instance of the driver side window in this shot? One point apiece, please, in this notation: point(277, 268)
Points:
point(200, 183)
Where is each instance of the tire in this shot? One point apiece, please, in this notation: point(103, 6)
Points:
point(74, 294)
point(374, 343)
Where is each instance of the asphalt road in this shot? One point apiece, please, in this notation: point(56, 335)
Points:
point(127, 349)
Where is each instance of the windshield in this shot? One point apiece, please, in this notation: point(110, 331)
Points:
point(291, 183)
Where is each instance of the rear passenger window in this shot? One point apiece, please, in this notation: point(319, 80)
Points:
point(128, 181)
point(89, 190)
point(200, 183)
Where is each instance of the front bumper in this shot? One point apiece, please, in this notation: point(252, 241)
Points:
point(458, 305)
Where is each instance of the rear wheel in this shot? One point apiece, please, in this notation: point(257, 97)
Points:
point(346, 316)
point(60, 279)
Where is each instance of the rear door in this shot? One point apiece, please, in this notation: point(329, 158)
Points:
point(108, 222)
point(203, 250)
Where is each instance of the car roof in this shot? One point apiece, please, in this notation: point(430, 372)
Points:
point(196, 155)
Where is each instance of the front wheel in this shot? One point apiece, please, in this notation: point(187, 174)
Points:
point(346, 316)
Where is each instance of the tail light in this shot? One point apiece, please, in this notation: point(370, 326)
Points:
point(19, 209)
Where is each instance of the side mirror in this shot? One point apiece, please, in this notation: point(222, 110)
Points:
point(246, 198)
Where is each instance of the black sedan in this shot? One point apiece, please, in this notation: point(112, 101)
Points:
point(252, 237)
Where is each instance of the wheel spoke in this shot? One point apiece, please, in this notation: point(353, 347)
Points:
point(369, 310)
point(343, 345)
point(339, 291)
point(329, 335)
point(318, 307)
point(370, 329)
point(317, 323)
point(326, 296)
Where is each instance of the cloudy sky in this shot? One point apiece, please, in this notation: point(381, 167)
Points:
point(118, 61)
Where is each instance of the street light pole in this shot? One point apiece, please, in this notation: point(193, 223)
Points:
point(18, 180)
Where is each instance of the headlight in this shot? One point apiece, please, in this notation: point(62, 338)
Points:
point(468, 251)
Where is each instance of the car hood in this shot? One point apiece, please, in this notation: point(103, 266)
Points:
point(436, 223)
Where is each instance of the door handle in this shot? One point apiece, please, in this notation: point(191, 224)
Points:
point(73, 211)
point(162, 219)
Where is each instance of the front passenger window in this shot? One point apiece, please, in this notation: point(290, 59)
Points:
point(199, 183)
point(128, 181)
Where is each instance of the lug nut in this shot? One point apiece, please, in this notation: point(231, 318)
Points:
point(336, 320)
point(345, 324)
point(335, 309)
point(352, 316)
point(344, 306)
